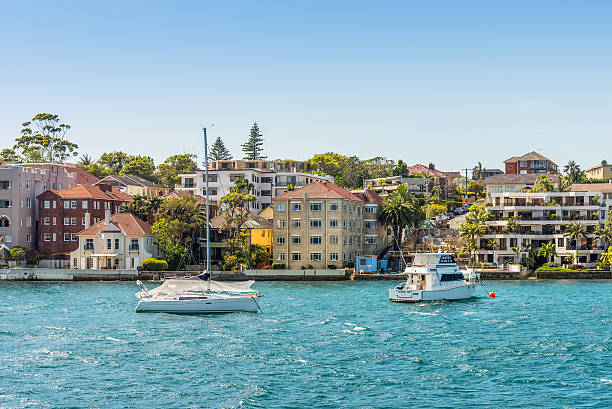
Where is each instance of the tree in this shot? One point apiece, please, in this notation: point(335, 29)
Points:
point(573, 173)
point(114, 161)
point(96, 169)
point(604, 234)
point(604, 163)
point(85, 160)
point(17, 253)
point(143, 207)
point(434, 209)
point(329, 163)
point(477, 172)
point(235, 210)
point(543, 184)
point(42, 140)
point(179, 224)
point(401, 169)
point(218, 151)
point(8, 154)
point(400, 210)
point(475, 227)
point(575, 232)
point(352, 174)
point(548, 250)
point(511, 225)
point(476, 187)
point(378, 167)
point(167, 172)
point(517, 253)
point(253, 147)
point(142, 166)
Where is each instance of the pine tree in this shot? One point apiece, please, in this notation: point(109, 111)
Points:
point(253, 148)
point(218, 151)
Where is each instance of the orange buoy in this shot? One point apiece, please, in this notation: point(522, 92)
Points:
point(492, 294)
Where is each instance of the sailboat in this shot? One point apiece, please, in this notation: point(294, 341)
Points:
point(199, 294)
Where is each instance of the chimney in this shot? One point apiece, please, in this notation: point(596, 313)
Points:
point(87, 219)
point(107, 217)
point(432, 166)
point(105, 187)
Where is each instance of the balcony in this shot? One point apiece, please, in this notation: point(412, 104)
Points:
point(134, 247)
point(88, 247)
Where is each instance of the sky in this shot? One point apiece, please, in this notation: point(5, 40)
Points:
point(448, 82)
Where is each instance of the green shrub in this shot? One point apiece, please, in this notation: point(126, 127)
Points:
point(331, 267)
point(310, 267)
point(551, 265)
point(153, 264)
point(462, 255)
point(350, 264)
point(161, 265)
point(278, 266)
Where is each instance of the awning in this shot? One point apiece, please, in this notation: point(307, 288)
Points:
point(104, 255)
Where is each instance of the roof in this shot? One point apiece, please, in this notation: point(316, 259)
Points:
point(368, 196)
point(598, 166)
point(525, 179)
point(131, 180)
point(178, 194)
point(82, 176)
point(529, 156)
point(90, 192)
point(253, 222)
point(320, 190)
point(592, 187)
point(127, 223)
point(418, 168)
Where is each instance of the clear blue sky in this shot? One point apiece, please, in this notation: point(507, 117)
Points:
point(451, 82)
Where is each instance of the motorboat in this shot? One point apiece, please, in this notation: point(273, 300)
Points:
point(432, 277)
point(198, 295)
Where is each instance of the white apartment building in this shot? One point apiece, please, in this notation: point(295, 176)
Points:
point(267, 184)
point(542, 218)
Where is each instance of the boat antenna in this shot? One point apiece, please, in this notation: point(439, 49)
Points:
point(207, 207)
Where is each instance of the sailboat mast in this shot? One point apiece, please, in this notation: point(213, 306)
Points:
point(207, 206)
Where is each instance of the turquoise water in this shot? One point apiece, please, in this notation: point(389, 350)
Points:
point(317, 345)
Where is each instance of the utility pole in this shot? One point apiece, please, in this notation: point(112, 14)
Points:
point(207, 206)
point(466, 184)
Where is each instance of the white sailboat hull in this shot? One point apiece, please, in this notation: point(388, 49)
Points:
point(198, 306)
point(460, 292)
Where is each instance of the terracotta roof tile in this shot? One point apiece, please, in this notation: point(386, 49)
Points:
point(418, 168)
point(129, 224)
point(91, 192)
point(320, 190)
point(592, 187)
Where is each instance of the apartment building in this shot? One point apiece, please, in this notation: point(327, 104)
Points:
point(20, 184)
point(133, 185)
point(63, 213)
point(375, 237)
point(267, 183)
point(384, 186)
point(503, 183)
point(531, 162)
point(542, 218)
point(321, 225)
point(288, 166)
point(118, 242)
point(600, 172)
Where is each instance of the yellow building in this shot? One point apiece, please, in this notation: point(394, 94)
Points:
point(603, 171)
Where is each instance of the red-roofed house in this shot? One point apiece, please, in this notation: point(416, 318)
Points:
point(321, 225)
point(119, 242)
point(63, 213)
point(438, 178)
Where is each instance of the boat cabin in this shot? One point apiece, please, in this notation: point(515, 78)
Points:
point(431, 270)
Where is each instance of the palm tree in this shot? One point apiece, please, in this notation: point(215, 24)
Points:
point(548, 250)
point(574, 232)
point(511, 225)
point(400, 210)
point(474, 227)
point(477, 171)
point(85, 160)
point(604, 234)
point(517, 253)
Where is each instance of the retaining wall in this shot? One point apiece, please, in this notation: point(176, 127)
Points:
point(573, 275)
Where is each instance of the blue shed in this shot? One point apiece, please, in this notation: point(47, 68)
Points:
point(366, 264)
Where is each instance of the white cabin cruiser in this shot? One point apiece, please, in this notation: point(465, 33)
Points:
point(432, 277)
point(198, 295)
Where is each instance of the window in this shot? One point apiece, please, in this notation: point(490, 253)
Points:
point(212, 191)
point(73, 204)
point(83, 221)
point(66, 236)
point(371, 209)
point(236, 176)
point(84, 204)
point(74, 262)
point(73, 221)
point(89, 244)
point(8, 238)
point(369, 224)
point(28, 184)
point(66, 221)
point(315, 239)
point(188, 182)
point(333, 256)
point(28, 238)
point(280, 223)
point(315, 223)
point(523, 163)
point(106, 206)
point(116, 244)
point(333, 222)
point(316, 257)
point(108, 244)
point(280, 207)
point(296, 222)
point(54, 204)
point(66, 204)
point(333, 239)
point(370, 239)
point(54, 237)
point(296, 256)
point(47, 237)
point(296, 239)
point(560, 242)
point(315, 207)
point(54, 221)
point(333, 207)
point(73, 237)
point(47, 204)
point(134, 244)
point(296, 206)
point(280, 240)
point(29, 203)
point(280, 257)
point(47, 221)
point(212, 178)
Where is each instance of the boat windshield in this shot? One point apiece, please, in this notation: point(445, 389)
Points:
point(452, 277)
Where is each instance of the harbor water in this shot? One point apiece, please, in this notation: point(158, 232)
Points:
point(317, 344)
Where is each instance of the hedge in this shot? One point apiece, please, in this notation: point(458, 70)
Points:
point(153, 264)
point(278, 266)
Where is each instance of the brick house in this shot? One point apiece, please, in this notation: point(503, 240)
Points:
point(64, 213)
point(531, 162)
